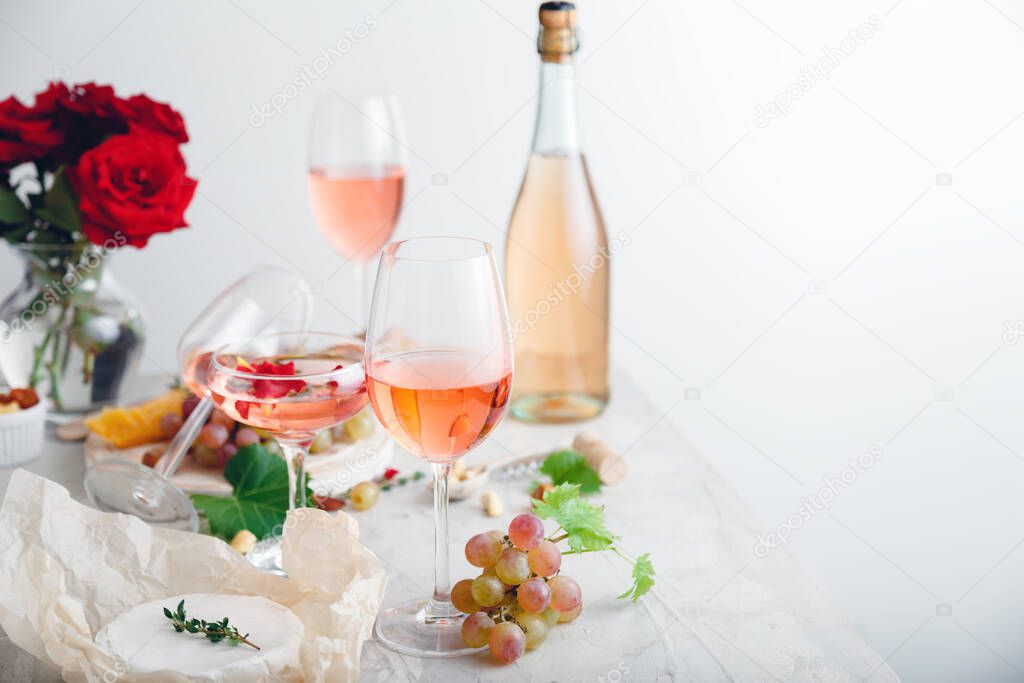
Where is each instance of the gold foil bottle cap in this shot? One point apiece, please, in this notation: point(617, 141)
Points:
point(557, 40)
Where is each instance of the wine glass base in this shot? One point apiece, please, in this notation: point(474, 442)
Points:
point(134, 489)
point(406, 629)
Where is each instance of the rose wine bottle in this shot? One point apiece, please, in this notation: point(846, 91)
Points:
point(556, 258)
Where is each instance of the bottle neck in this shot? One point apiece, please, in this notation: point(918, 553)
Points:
point(556, 132)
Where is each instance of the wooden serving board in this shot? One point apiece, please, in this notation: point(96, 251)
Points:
point(333, 471)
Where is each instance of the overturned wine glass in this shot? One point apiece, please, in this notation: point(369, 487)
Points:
point(266, 300)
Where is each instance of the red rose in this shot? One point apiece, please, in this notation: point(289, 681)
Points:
point(27, 133)
point(272, 388)
point(89, 99)
point(87, 115)
point(156, 116)
point(135, 184)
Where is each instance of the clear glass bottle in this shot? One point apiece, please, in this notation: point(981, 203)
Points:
point(556, 260)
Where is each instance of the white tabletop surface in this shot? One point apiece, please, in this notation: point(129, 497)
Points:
point(718, 612)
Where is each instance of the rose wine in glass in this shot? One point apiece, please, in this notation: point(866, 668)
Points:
point(356, 209)
point(438, 404)
point(439, 372)
point(356, 176)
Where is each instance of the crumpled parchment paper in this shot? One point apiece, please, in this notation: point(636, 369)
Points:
point(66, 570)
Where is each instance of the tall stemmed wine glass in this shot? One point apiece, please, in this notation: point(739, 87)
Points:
point(356, 179)
point(438, 371)
point(292, 385)
point(267, 299)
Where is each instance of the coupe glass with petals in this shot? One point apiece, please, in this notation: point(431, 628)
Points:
point(292, 385)
point(356, 178)
point(438, 372)
point(265, 300)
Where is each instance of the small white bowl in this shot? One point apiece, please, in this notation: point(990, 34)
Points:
point(21, 435)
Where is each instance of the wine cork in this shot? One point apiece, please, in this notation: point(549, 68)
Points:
point(557, 15)
point(557, 39)
point(609, 464)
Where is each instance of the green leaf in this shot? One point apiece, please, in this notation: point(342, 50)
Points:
point(60, 205)
point(12, 211)
point(553, 500)
point(643, 578)
point(259, 501)
point(569, 466)
point(582, 522)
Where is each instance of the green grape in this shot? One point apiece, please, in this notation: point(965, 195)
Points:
point(512, 566)
point(359, 426)
point(565, 594)
point(545, 559)
point(364, 495)
point(526, 531)
point(483, 549)
point(213, 435)
point(534, 595)
point(550, 616)
point(321, 442)
point(507, 642)
point(566, 617)
point(462, 597)
point(536, 629)
point(476, 628)
point(488, 591)
point(246, 436)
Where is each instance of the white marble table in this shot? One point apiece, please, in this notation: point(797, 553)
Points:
point(718, 612)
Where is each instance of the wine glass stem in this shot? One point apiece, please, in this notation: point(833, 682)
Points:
point(295, 454)
point(168, 464)
point(440, 605)
point(362, 275)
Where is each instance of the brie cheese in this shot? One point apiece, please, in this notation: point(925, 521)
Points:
point(145, 642)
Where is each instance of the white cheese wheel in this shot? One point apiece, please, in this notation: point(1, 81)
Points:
point(146, 642)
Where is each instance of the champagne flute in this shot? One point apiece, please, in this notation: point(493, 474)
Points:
point(265, 300)
point(438, 372)
point(356, 178)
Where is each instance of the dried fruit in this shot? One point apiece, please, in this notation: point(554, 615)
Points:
point(127, 427)
point(152, 457)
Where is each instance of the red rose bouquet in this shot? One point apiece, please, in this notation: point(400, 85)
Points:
point(106, 168)
point(82, 172)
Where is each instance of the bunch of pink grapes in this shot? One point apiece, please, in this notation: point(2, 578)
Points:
point(520, 594)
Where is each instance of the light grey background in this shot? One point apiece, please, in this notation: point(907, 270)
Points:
point(794, 294)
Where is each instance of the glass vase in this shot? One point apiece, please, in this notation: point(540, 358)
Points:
point(69, 329)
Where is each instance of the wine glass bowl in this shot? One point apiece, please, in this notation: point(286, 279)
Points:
point(290, 384)
point(356, 178)
point(438, 374)
point(263, 300)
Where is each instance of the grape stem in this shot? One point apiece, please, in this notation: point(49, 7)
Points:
point(556, 539)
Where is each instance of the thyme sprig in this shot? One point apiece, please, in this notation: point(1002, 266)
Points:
point(215, 631)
